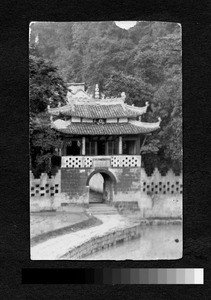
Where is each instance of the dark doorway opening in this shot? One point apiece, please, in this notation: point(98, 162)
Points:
point(101, 145)
point(129, 147)
point(74, 149)
point(96, 188)
point(102, 186)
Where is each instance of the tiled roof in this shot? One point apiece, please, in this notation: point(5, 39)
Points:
point(98, 111)
point(107, 129)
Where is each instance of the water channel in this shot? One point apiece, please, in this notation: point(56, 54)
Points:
point(156, 242)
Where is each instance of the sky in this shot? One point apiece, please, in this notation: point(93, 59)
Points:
point(125, 24)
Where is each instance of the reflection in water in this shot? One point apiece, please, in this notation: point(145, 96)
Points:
point(156, 242)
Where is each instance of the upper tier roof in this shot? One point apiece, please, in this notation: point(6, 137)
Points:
point(115, 108)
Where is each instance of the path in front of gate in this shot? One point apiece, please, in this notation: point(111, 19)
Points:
point(55, 248)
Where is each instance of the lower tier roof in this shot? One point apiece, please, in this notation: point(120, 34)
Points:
point(107, 129)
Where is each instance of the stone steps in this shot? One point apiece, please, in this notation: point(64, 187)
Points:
point(95, 197)
point(102, 209)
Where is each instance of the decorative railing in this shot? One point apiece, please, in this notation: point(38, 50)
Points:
point(126, 161)
point(117, 161)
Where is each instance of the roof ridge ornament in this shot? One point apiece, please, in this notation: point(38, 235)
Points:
point(123, 95)
point(97, 96)
point(154, 125)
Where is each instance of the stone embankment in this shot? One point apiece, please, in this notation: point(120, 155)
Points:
point(102, 242)
point(114, 229)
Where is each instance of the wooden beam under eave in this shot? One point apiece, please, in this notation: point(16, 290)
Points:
point(110, 138)
point(102, 138)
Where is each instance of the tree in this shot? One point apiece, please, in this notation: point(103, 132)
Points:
point(46, 87)
point(167, 143)
point(162, 57)
point(43, 144)
point(161, 65)
point(137, 92)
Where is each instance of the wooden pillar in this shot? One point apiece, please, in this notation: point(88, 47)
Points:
point(83, 145)
point(138, 145)
point(64, 150)
point(106, 147)
point(95, 147)
point(120, 145)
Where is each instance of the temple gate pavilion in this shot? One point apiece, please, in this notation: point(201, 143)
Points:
point(100, 136)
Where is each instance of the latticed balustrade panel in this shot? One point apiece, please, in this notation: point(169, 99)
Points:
point(73, 162)
point(125, 161)
point(76, 162)
point(87, 163)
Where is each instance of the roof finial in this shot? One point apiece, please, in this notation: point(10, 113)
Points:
point(97, 92)
point(123, 95)
point(159, 120)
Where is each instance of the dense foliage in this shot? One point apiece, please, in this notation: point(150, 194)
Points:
point(144, 62)
point(46, 88)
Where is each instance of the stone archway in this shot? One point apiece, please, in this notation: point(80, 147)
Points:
point(108, 188)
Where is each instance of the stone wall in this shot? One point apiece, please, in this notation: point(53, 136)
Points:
point(45, 192)
point(128, 184)
point(170, 184)
point(161, 196)
point(73, 185)
point(121, 184)
point(161, 206)
point(126, 206)
point(128, 188)
point(103, 242)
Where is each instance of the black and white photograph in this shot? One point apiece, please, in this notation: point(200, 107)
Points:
point(105, 128)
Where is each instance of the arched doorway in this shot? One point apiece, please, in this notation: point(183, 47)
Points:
point(102, 186)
